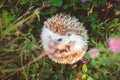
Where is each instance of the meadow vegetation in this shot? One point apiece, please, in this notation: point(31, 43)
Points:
point(20, 27)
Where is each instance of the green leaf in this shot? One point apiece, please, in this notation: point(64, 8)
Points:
point(86, 6)
point(35, 0)
point(32, 38)
point(100, 3)
point(57, 3)
point(10, 70)
point(94, 26)
point(95, 63)
point(115, 20)
point(23, 2)
point(9, 30)
point(7, 18)
point(90, 78)
point(104, 60)
point(87, 56)
point(50, 11)
point(84, 68)
point(74, 1)
point(67, 6)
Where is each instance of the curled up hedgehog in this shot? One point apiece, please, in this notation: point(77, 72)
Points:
point(65, 38)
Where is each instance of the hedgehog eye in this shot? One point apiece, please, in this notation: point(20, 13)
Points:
point(60, 39)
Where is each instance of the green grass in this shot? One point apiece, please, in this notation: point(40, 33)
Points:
point(20, 27)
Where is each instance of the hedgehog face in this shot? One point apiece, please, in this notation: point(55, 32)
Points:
point(51, 39)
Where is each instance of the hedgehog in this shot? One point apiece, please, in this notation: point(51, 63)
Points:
point(65, 38)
